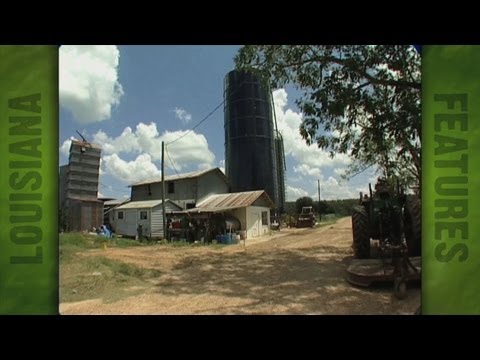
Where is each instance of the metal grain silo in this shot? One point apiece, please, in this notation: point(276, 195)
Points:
point(281, 167)
point(250, 154)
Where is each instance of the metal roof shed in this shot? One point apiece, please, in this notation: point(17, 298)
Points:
point(251, 208)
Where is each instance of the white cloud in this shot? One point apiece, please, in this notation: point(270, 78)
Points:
point(221, 165)
point(306, 170)
point(204, 166)
point(88, 81)
point(310, 158)
point(182, 115)
point(332, 189)
point(65, 147)
point(131, 171)
point(339, 171)
point(126, 142)
point(294, 193)
point(191, 150)
point(294, 179)
point(310, 162)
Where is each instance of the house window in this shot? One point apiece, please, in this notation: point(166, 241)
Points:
point(190, 205)
point(171, 187)
point(120, 215)
point(143, 215)
point(264, 218)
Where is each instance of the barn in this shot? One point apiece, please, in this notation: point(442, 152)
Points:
point(251, 208)
point(185, 190)
point(148, 214)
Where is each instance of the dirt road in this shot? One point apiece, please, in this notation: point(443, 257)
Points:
point(297, 271)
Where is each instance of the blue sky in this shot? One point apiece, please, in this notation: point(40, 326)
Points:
point(130, 98)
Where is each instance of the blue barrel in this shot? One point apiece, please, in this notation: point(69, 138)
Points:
point(227, 239)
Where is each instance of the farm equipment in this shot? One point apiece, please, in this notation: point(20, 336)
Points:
point(306, 217)
point(391, 222)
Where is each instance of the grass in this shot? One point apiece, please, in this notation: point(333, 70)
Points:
point(99, 277)
point(71, 243)
point(87, 241)
point(80, 240)
point(123, 242)
point(121, 268)
point(86, 277)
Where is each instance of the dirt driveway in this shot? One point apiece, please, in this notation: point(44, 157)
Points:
point(296, 271)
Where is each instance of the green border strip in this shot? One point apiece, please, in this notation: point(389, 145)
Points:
point(28, 179)
point(451, 180)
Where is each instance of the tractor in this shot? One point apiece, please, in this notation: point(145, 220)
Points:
point(392, 221)
point(306, 217)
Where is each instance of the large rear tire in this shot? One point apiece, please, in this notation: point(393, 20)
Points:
point(361, 235)
point(400, 288)
point(412, 221)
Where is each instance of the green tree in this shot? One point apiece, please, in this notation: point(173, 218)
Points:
point(290, 207)
point(303, 201)
point(359, 100)
point(324, 207)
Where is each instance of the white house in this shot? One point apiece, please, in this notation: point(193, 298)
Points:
point(252, 208)
point(108, 211)
point(148, 213)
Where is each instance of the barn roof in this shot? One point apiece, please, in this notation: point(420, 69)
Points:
point(148, 204)
point(115, 202)
point(220, 202)
point(189, 175)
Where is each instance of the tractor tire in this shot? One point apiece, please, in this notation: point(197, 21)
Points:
point(361, 235)
point(400, 288)
point(412, 221)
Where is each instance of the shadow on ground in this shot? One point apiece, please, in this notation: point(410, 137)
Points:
point(307, 281)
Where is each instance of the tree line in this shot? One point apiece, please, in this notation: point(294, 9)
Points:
point(338, 207)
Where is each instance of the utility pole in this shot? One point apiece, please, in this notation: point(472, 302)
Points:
point(319, 214)
point(163, 193)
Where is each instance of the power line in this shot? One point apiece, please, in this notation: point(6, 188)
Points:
point(171, 162)
point(206, 117)
point(189, 131)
